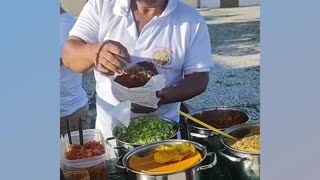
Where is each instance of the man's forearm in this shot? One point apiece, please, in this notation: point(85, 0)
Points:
point(191, 86)
point(79, 56)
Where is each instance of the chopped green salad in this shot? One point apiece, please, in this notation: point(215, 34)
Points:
point(146, 130)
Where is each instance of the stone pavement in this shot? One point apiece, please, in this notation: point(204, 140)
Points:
point(235, 78)
point(235, 40)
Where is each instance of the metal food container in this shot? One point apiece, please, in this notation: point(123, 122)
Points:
point(208, 138)
point(216, 115)
point(210, 116)
point(124, 147)
point(193, 173)
point(242, 165)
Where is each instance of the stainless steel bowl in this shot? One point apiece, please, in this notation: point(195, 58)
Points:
point(215, 114)
point(124, 147)
point(241, 164)
point(193, 173)
point(207, 137)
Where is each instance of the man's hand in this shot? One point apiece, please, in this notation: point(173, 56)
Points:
point(192, 85)
point(141, 109)
point(111, 58)
point(81, 57)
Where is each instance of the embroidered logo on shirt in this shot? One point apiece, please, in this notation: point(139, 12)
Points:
point(162, 57)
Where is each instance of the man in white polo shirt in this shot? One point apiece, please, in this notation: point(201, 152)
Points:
point(168, 33)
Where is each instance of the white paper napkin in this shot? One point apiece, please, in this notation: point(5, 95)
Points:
point(144, 96)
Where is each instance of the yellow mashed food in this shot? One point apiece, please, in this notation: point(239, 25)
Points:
point(173, 153)
point(167, 159)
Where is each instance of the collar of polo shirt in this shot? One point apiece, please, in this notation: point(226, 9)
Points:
point(122, 7)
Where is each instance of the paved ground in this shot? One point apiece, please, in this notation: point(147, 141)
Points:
point(235, 79)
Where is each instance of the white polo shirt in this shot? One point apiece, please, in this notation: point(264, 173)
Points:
point(177, 42)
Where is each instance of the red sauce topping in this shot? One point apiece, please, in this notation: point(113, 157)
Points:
point(220, 119)
point(88, 150)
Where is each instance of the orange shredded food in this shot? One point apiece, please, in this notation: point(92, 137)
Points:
point(88, 150)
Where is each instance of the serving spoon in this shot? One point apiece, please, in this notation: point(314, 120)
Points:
point(206, 125)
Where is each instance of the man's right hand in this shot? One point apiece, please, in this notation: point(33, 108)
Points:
point(111, 58)
point(81, 57)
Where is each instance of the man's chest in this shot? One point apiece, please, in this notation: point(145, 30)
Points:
point(160, 41)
